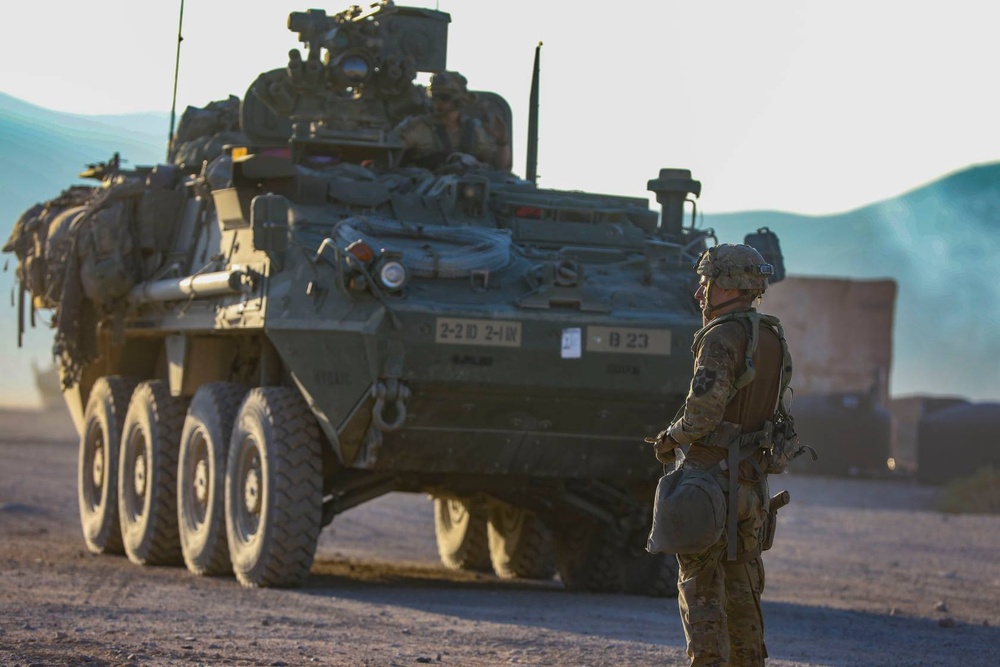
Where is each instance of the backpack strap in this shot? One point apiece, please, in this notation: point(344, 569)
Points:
point(750, 319)
point(786, 362)
point(740, 449)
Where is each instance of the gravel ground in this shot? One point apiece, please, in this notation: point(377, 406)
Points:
point(864, 572)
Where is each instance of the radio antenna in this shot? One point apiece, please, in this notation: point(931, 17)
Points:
point(531, 167)
point(177, 69)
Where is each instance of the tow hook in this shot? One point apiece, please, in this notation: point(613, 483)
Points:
point(388, 392)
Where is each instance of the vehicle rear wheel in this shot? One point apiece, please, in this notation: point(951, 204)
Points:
point(460, 528)
point(97, 469)
point(595, 557)
point(147, 475)
point(201, 477)
point(649, 574)
point(587, 557)
point(519, 543)
point(274, 489)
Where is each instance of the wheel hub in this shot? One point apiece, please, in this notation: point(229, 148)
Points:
point(201, 482)
point(251, 492)
point(456, 510)
point(97, 468)
point(140, 475)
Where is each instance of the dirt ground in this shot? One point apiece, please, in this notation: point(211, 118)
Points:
point(864, 572)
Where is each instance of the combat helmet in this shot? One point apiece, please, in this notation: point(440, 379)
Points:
point(735, 266)
point(452, 86)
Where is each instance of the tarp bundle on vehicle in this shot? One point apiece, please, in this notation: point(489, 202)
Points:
point(82, 252)
point(203, 132)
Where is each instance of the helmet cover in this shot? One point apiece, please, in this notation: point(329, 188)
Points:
point(735, 266)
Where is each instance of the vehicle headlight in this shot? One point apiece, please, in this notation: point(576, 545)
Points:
point(392, 275)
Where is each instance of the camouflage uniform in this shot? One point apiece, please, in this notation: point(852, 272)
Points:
point(428, 145)
point(427, 140)
point(719, 599)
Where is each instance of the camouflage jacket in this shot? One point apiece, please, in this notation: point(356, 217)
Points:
point(428, 145)
point(711, 403)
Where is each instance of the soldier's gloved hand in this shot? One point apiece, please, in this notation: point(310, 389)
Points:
point(664, 446)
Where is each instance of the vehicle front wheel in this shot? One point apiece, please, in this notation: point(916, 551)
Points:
point(274, 489)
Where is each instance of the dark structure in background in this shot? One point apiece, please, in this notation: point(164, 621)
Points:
point(852, 433)
point(957, 440)
point(840, 335)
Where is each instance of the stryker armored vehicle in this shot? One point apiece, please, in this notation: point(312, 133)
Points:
point(286, 321)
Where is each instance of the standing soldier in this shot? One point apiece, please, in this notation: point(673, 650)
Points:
point(740, 360)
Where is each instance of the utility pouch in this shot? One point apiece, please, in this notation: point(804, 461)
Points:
point(689, 512)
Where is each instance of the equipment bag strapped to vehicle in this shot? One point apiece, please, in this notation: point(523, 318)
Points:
point(689, 512)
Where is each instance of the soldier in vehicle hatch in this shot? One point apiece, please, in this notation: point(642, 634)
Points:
point(430, 138)
point(738, 379)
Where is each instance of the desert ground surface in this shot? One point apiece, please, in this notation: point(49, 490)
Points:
point(863, 572)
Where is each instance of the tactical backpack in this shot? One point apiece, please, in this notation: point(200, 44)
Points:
point(106, 244)
point(42, 240)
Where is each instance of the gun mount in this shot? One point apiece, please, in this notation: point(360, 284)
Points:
point(355, 83)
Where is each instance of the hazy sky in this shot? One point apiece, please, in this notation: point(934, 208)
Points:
point(812, 107)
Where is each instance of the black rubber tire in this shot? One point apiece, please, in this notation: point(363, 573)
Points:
point(649, 574)
point(520, 545)
point(460, 529)
point(97, 464)
point(588, 557)
point(594, 557)
point(147, 475)
point(201, 477)
point(274, 489)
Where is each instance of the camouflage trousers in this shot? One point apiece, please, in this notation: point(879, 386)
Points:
point(719, 600)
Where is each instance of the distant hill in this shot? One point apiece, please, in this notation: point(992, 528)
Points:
point(941, 243)
point(41, 153)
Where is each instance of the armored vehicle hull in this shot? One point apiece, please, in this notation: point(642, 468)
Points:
point(288, 320)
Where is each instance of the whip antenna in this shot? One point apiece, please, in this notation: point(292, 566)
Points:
point(531, 168)
point(177, 68)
